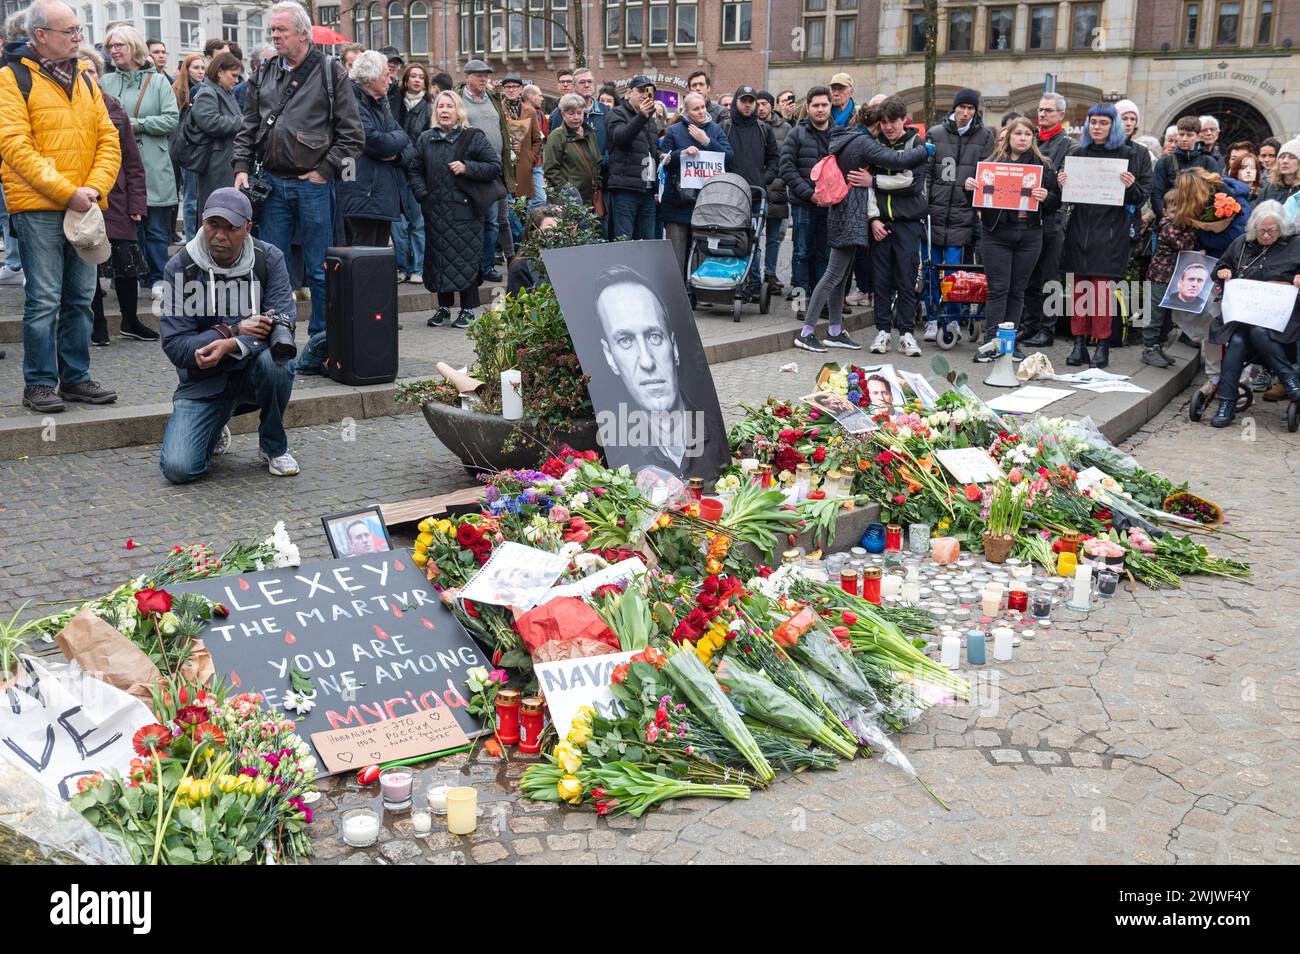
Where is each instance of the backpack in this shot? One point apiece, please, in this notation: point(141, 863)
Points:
point(829, 185)
point(189, 146)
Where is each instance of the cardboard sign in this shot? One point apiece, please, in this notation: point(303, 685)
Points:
point(969, 465)
point(59, 724)
point(370, 632)
point(1006, 185)
point(1093, 181)
point(411, 736)
point(699, 169)
point(1267, 304)
point(569, 684)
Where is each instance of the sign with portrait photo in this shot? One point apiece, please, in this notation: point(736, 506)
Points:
point(1189, 288)
point(626, 309)
point(1006, 185)
point(356, 534)
point(846, 414)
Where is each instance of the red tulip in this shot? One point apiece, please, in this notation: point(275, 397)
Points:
point(849, 618)
point(368, 775)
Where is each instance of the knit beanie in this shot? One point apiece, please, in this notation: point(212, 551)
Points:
point(966, 97)
point(1128, 106)
point(1292, 147)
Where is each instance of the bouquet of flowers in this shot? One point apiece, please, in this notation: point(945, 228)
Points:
point(1218, 215)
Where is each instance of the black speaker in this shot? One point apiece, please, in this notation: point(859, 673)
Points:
point(361, 315)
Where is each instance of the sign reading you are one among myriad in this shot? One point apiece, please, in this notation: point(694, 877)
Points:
point(368, 631)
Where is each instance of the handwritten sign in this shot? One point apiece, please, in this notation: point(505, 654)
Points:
point(569, 684)
point(699, 169)
point(1006, 185)
point(1091, 181)
point(969, 465)
point(421, 733)
point(60, 725)
point(376, 641)
point(1266, 304)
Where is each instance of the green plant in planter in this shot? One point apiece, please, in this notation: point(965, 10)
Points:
point(13, 637)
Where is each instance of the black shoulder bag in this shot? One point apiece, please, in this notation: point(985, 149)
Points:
point(482, 195)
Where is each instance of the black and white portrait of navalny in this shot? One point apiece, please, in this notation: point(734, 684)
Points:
point(633, 329)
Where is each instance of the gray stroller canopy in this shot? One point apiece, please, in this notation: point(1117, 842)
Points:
point(723, 203)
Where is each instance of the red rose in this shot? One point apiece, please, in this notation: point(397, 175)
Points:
point(685, 633)
point(819, 455)
point(696, 617)
point(467, 535)
point(619, 675)
point(708, 601)
point(973, 493)
point(900, 498)
point(764, 571)
point(153, 601)
point(711, 585)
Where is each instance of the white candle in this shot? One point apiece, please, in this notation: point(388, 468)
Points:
point(360, 830)
point(1082, 588)
point(992, 599)
point(462, 810)
point(1002, 637)
point(891, 585)
point(422, 822)
point(911, 592)
point(437, 799)
point(950, 652)
point(512, 401)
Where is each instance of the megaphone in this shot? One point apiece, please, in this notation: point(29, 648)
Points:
point(1003, 373)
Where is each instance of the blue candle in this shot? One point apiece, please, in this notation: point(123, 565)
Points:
point(975, 647)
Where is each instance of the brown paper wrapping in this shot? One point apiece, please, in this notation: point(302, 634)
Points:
point(105, 653)
point(462, 382)
point(198, 669)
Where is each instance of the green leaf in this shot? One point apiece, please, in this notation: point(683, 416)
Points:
point(634, 753)
point(940, 365)
point(203, 850)
point(300, 681)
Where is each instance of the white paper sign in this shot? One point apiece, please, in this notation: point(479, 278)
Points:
point(60, 725)
point(569, 684)
point(699, 169)
point(1267, 304)
point(515, 575)
point(622, 572)
point(1093, 181)
point(969, 465)
point(1026, 400)
point(1110, 387)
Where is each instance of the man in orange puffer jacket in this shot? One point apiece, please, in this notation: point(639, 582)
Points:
point(60, 152)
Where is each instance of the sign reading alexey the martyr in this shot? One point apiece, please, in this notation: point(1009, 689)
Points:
point(369, 631)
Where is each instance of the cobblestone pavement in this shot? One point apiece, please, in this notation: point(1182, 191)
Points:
point(1161, 728)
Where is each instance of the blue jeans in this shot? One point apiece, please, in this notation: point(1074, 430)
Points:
point(811, 252)
point(632, 213)
point(307, 204)
point(190, 204)
point(56, 303)
point(941, 255)
point(491, 226)
point(13, 257)
point(408, 235)
point(154, 233)
point(195, 424)
point(539, 189)
point(772, 249)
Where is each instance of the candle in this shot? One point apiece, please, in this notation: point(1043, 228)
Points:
point(396, 785)
point(360, 828)
point(891, 585)
point(1002, 637)
point(871, 584)
point(975, 648)
point(422, 822)
point(911, 592)
point(950, 652)
point(508, 716)
point(1107, 580)
point(1018, 597)
point(918, 537)
point(1079, 600)
point(462, 810)
point(849, 581)
point(893, 538)
point(1066, 561)
point(437, 799)
point(991, 602)
point(858, 553)
point(531, 722)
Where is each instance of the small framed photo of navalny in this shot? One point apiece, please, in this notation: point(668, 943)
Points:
point(356, 534)
point(846, 414)
point(1189, 288)
point(632, 325)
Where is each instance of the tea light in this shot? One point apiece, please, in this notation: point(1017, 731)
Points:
point(396, 785)
point(858, 553)
point(891, 586)
point(911, 592)
point(422, 822)
point(462, 810)
point(960, 615)
point(950, 653)
point(437, 799)
point(360, 828)
point(1002, 637)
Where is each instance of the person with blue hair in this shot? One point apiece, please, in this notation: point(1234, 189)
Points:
point(1098, 239)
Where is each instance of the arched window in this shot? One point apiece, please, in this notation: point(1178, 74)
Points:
point(396, 26)
point(359, 23)
point(376, 27)
point(419, 29)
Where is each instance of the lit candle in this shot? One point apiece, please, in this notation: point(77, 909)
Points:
point(396, 785)
point(890, 586)
point(950, 652)
point(1079, 600)
point(1002, 637)
point(437, 798)
point(462, 810)
point(361, 828)
point(422, 822)
point(911, 592)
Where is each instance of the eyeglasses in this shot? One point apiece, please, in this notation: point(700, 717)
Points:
point(1268, 230)
point(69, 33)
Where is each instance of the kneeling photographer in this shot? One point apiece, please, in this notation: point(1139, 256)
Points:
point(227, 324)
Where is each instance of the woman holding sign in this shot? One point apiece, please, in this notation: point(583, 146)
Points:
point(1099, 237)
point(1268, 252)
point(693, 133)
point(1011, 239)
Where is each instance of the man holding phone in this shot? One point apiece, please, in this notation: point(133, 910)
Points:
point(633, 140)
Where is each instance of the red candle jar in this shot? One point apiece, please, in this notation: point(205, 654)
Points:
point(696, 485)
point(871, 584)
point(765, 474)
point(531, 723)
point(849, 582)
point(893, 538)
point(1018, 600)
point(508, 716)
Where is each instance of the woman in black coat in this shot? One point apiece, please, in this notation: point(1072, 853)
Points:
point(1268, 252)
point(1010, 240)
point(1099, 237)
point(217, 115)
point(453, 247)
point(371, 201)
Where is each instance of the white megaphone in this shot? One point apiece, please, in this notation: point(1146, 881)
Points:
point(1003, 373)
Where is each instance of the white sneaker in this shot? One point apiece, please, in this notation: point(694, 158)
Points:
point(856, 298)
point(223, 442)
point(415, 278)
point(282, 466)
point(907, 345)
point(881, 344)
point(10, 276)
point(931, 331)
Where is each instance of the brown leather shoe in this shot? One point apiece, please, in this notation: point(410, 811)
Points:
point(1276, 393)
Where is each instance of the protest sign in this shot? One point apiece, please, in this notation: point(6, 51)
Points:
point(408, 737)
point(571, 683)
point(969, 465)
point(700, 168)
point(1006, 185)
point(368, 631)
point(1266, 304)
point(515, 575)
point(1190, 286)
point(1093, 181)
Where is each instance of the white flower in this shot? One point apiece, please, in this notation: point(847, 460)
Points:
point(736, 625)
point(586, 562)
point(126, 625)
point(959, 416)
point(570, 477)
point(286, 553)
point(300, 702)
point(570, 550)
point(904, 433)
point(532, 532)
point(579, 500)
point(476, 678)
point(169, 622)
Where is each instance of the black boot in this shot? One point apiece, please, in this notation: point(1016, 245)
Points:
point(1223, 416)
point(1043, 339)
point(1079, 356)
point(1100, 356)
point(1292, 384)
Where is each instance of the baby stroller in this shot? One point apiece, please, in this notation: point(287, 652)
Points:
point(725, 224)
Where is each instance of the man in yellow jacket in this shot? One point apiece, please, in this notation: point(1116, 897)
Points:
point(60, 152)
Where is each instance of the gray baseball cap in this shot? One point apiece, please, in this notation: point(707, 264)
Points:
point(229, 204)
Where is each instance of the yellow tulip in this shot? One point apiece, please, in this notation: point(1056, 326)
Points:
point(584, 715)
point(425, 525)
point(424, 538)
point(446, 528)
point(421, 559)
point(570, 789)
point(568, 757)
point(579, 735)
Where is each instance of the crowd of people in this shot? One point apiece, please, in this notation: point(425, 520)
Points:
point(264, 162)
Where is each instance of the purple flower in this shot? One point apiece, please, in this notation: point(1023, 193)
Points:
point(491, 494)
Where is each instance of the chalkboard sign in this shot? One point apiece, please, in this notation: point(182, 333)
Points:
point(370, 632)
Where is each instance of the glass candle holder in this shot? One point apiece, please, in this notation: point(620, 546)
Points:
point(437, 799)
point(360, 827)
point(421, 822)
point(918, 537)
point(893, 538)
point(462, 810)
point(873, 539)
point(1040, 606)
point(1107, 581)
point(396, 784)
